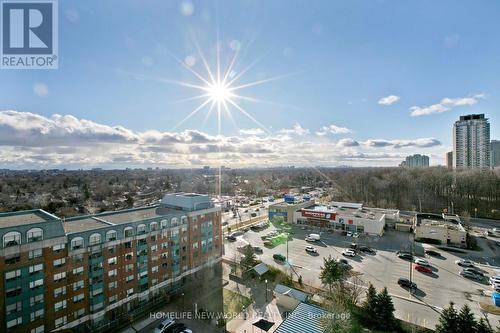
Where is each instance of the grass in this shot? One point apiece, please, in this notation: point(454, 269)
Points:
point(234, 303)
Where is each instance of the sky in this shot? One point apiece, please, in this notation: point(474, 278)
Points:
point(315, 83)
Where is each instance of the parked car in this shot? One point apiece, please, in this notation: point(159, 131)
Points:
point(311, 249)
point(349, 234)
point(344, 262)
point(246, 229)
point(164, 325)
point(176, 328)
point(405, 255)
point(422, 262)
point(494, 280)
point(470, 275)
point(366, 249)
point(474, 270)
point(464, 263)
point(257, 249)
point(225, 223)
point(423, 269)
point(433, 253)
point(355, 235)
point(404, 282)
point(349, 253)
point(279, 257)
point(353, 246)
point(231, 238)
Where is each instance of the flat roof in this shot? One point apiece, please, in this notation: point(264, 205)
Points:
point(365, 212)
point(83, 224)
point(13, 219)
point(131, 215)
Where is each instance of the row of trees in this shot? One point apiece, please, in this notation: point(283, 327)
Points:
point(452, 321)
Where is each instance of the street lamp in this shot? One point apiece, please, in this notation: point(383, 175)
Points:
point(266, 290)
point(182, 302)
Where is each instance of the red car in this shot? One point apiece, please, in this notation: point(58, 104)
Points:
point(423, 269)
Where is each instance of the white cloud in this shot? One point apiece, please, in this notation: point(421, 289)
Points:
point(333, 129)
point(31, 140)
point(388, 100)
point(446, 104)
point(41, 89)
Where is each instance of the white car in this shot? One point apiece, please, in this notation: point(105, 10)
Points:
point(349, 253)
point(165, 324)
point(355, 235)
point(311, 249)
point(422, 262)
point(494, 280)
point(464, 263)
point(310, 239)
point(349, 234)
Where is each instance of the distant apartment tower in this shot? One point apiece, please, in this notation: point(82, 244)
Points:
point(91, 273)
point(416, 161)
point(495, 153)
point(471, 142)
point(449, 160)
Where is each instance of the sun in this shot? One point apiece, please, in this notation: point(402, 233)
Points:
point(219, 92)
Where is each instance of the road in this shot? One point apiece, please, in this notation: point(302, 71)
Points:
point(435, 290)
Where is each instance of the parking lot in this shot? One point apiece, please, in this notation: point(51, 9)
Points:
point(435, 290)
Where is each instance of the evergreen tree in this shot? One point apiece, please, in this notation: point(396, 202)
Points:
point(385, 311)
point(249, 260)
point(331, 272)
point(448, 320)
point(370, 305)
point(465, 320)
point(483, 327)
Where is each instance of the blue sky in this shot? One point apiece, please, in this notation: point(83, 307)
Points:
point(338, 60)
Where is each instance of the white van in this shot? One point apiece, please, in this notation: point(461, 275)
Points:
point(313, 238)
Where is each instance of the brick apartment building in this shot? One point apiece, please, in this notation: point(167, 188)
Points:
point(90, 273)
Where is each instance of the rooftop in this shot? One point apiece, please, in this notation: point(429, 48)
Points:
point(294, 293)
point(130, 215)
point(304, 318)
point(80, 224)
point(349, 210)
point(13, 219)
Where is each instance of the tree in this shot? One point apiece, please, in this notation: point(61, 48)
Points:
point(465, 320)
point(331, 272)
point(369, 306)
point(248, 260)
point(448, 320)
point(483, 327)
point(385, 311)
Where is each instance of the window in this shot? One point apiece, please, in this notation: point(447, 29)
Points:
point(110, 235)
point(61, 321)
point(129, 278)
point(35, 268)
point(153, 226)
point(60, 291)
point(12, 275)
point(37, 314)
point(14, 307)
point(112, 261)
point(174, 222)
point(37, 299)
point(58, 247)
point(59, 276)
point(163, 224)
point(60, 305)
point(129, 256)
point(112, 299)
point(164, 245)
point(129, 268)
point(130, 291)
point(79, 313)
point(78, 270)
point(128, 231)
point(14, 322)
point(113, 285)
point(154, 269)
point(78, 285)
point(184, 219)
point(39, 329)
point(77, 258)
point(78, 298)
point(34, 235)
point(141, 229)
point(12, 238)
point(59, 262)
point(112, 272)
point(94, 239)
point(77, 243)
point(33, 254)
point(35, 284)
point(154, 248)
